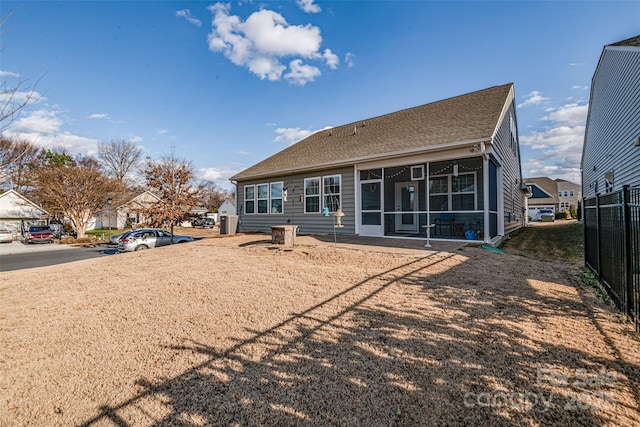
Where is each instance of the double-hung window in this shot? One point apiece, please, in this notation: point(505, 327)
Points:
point(249, 199)
point(332, 190)
point(463, 192)
point(263, 198)
point(276, 197)
point(312, 195)
point(452, 193)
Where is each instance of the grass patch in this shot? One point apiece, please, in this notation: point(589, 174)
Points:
point(557, 242)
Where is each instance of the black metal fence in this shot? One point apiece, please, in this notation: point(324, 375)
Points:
point(612, 246)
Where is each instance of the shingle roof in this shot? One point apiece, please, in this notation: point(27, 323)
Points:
point(632, 41)
point(469, 117)
point(547, 184)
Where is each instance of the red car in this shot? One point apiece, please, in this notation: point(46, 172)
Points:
point(39, 234)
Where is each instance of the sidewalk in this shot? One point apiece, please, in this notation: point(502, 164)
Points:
point(17, 247)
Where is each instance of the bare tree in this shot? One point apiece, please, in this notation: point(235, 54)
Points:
point(119, 157)
point(213, 195)
point(172, 179)
point(16, 159)
point(77, 189)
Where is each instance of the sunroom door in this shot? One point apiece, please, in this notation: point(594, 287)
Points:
point(371, 208)
point(406, 203)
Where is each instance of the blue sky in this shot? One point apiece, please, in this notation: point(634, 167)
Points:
point(231, 83)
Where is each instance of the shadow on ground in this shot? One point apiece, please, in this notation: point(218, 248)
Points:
point(456, 350)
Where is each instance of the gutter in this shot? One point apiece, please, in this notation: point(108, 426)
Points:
point(355, 160)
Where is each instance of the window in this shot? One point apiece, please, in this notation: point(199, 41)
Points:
point(448, 192)
point(439, 193)
point(463, 189)
point(566, 193)
point(332, 192)
point(263, 198)
point(571, 193)
point(249, 199)
point(276, 197)
point(417, 173)
point(560, 193)
point(312, 195)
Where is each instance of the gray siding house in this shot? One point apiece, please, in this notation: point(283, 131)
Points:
point(452, 164)
point(611, 151)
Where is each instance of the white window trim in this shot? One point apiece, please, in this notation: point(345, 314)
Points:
point(258, 199)
point(255, 207)
point(339, 194)
point(276, 198)
point(319, 195)
point(450, 193)
point(421, 174)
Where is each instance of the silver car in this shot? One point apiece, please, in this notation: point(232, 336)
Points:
point(6, 236)
point(147, 238)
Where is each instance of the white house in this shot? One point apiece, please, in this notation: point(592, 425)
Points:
point(227, 208)
point(17, 212)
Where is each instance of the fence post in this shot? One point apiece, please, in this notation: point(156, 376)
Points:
point(628, 267)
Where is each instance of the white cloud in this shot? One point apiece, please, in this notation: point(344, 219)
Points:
point(533, 98)
point(576, 87)
point(8, 74)
point(186, 14)
point(308, 6)
point(99, 116)
point(220, 175)
point(162, 131)
point(349, 59)
point(570, 114)
point(331, 59)
point(557, 149)
point(44, 128)
point(291, 135)
point(263, 40)
point(300, 73)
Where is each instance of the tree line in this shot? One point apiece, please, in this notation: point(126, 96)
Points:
point(77, 188)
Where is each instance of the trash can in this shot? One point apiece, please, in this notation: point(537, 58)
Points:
point(228, 224)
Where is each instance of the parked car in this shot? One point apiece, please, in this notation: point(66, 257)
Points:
point(6, 236)
point(39, 234)
point(147, 238)
point(546, 215)
point(113, 240)
point(204, 222)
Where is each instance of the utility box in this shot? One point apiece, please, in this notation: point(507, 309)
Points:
point(283, 234)
point(228, 224)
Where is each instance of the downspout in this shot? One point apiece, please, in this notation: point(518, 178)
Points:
point(235, 202)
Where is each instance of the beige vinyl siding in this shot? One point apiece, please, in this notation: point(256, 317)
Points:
point(309, 223)
point(509, 150)
point(613, 122)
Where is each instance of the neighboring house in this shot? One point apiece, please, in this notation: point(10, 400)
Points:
point(611, 152)
point(130, 212)
point(17, 212)
point(557, 195)
point(454, 163)
point(227, 208)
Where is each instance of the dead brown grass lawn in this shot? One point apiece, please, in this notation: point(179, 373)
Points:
point(235, 331)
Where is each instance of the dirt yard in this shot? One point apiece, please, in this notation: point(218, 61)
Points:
point(236, 331)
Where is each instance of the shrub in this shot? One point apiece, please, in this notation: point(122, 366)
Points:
point(561, 215)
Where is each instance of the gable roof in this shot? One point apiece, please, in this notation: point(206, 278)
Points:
point(632, 41)
point(15, 205)
point(544, 183)
point(466, 118)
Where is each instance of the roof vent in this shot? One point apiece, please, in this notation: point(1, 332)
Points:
point(355, 130)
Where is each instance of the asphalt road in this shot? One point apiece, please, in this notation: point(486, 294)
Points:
point(30, 259)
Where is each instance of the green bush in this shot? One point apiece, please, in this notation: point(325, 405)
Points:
point(561, 215)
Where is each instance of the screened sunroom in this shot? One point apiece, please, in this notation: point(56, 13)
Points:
point(445, 198)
